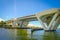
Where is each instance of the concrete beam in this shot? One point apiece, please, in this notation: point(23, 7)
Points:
point(52, 21)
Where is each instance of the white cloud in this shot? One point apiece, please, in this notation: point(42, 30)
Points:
point(1, 19)
point(29, 25)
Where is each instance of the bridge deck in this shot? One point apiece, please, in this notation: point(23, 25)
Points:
point(27, 17)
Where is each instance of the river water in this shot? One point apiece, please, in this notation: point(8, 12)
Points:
point(26, 34)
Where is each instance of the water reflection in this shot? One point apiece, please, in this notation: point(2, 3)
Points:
point(51, 36)
point(42, 35)
point(23, 34)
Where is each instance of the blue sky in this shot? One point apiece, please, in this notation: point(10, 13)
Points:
point(18, 8)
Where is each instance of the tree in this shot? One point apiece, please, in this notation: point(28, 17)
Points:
point(2, 24)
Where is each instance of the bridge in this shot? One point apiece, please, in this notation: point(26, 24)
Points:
point(49, 19)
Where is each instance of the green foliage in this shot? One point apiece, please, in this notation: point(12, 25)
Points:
point(2, 24)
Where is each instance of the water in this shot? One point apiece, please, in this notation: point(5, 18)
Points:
point(23, 34)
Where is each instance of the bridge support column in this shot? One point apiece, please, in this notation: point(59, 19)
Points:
point(43, 25)
point(25, 23)
point(14, 23)
point(52, 26)
point(55, 24)
point(22, 24)
point(52, 22)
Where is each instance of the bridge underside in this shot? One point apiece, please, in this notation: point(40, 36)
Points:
point(24, 22)
point(48, 19)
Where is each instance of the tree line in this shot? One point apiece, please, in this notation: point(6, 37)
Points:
point(3, 24)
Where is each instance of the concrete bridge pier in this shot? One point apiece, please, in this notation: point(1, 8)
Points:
point(51, 26)
point(44, 26)
point(23, 23)
point(55, 24)
point(14, 23)
point(20, 24)
point(54, 21)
